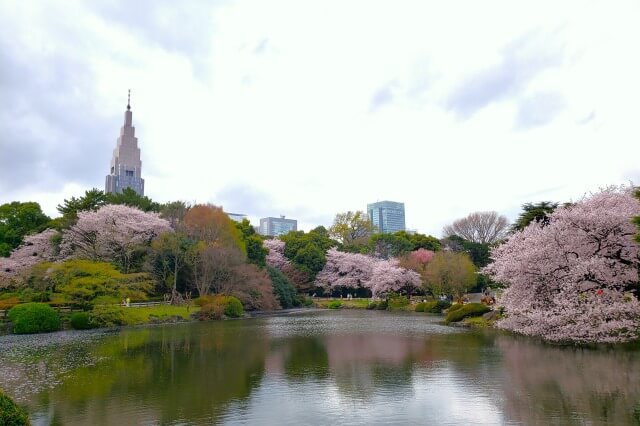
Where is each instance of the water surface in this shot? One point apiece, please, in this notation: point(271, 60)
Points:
point(320, 367)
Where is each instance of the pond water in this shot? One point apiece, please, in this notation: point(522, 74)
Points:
point(317, 367)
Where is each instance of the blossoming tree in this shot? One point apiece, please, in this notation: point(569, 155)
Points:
point(35, 248)
point(575, 279)
point(112, 233)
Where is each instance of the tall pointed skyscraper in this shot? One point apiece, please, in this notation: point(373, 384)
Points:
point(125, 163)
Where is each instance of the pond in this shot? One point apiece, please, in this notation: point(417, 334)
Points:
point(317, 367)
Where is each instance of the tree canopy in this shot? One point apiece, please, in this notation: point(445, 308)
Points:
point(479, 227)
point(17, 220)
point(351, 228)
point(538, 212)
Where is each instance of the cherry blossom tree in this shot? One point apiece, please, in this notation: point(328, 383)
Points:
point(112, 233)
point(275, 257)
point(35, 248)
point(346, 270)
point(388, 276)
point(575, 279)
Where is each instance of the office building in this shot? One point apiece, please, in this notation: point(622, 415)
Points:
point(387, 216)
point(274, 226)
point(125, 163)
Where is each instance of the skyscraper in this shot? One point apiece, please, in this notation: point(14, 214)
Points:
point(387, 216)
point(275, 226)
point(125, 163)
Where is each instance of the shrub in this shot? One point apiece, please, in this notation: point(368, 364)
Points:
point(107, 316)
point(420, 307)
point(80, 321)
point(436, 307)
point(10, 413)
point(382, 305)
point(455, 307)
point(395, 301)
point(307, 302)
point(372, 305)
point(233, 307)
point(468, 310)
point(213, 307)
point(34, 318)
point(334, 304)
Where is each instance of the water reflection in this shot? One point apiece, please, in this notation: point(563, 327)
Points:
point(323, 367)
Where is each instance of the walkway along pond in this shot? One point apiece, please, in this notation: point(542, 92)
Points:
point(317, 367)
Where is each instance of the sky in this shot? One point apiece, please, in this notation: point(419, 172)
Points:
point(310, 108)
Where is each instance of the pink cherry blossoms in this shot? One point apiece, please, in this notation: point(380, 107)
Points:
point(275, 257)
point(573, 280)
point(112, 233)
point(351, 270)
point(36, 248)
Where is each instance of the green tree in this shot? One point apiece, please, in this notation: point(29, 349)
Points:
point(174, 212)
point(91, 200)
point(283, 288)
point(419, 241)
point(387, 246)
point(479, 253)
point(256, 251)
point(17, 220)
point(131, 198)
point(538, 212)
point(351, 228)
point(307, 250)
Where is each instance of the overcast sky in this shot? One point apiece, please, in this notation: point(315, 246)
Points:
point(309, 108)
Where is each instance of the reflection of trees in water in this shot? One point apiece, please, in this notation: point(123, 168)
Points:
point(588, 385)
point(164, 374)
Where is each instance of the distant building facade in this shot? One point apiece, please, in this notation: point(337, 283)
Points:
point(126, 166)
point(274, 226)
point(238, 217)
point(387, 216)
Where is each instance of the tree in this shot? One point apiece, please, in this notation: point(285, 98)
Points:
point(275, 257)
point(479, 227)
point(538, 212)
point(35, 248)
point(256, 252)
point(575, 279)
point(420, 241)
point(417, 261)
point(283, 288)
point(346, 270)
point(253, 287)
point(479, 253)
point(386, 246)
point(636, 219)
point(17, 220)
point(114, 233)
point(307, 251)
point(131, 198)
point(388, 276)
point(171, 251)
point(449, 273)
point(174, 212)
point(208, 223)
point(351, 228)
point(92, 200)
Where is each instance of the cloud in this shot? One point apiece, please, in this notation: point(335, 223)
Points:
point(383, 96)
point(538, 110)
point(520, 62)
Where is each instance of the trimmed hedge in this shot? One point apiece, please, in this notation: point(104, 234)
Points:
point(372, 305)
point(467, 310)
point(213, 307)
point(382, 305)
point(30, 318)
point(420, 306)
point(11, 414)
point(80, 321)
point(455, 307)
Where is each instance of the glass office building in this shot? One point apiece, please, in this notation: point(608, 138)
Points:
point(387, 216)
point(274, 226)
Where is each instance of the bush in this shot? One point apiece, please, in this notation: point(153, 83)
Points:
point(107, 316)
point(80, 321)
point(334, 304)
point(468, 310)
point(213, 307)
point(233, 307)
point(382, 305)
point(372, 305)
point(455, 307)
point(395, 301)
point(34, 318)
point(436, 307)
point(307, 302)
point(10, 413)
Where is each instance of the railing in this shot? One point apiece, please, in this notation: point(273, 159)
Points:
point(4, 313)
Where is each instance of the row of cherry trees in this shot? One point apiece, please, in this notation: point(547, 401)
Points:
point(575, 276)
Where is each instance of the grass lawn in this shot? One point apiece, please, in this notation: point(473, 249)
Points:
point(144, 315)
point(346, 303)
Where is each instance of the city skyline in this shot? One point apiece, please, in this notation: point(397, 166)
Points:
point(258, 108)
